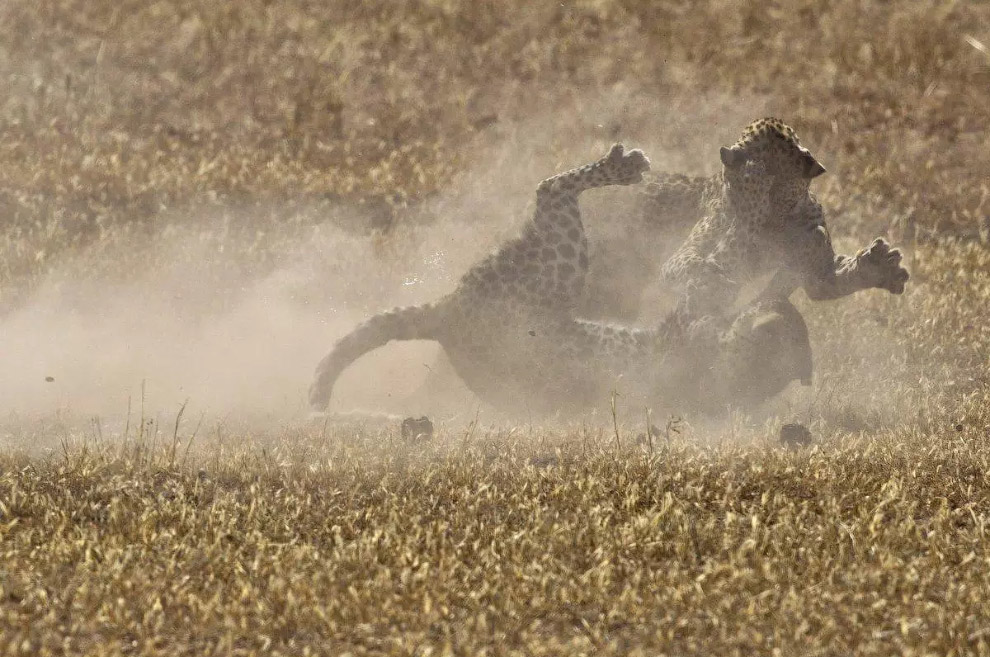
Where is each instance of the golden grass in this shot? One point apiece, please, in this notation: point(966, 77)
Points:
point(120, 120)
point(499, 545)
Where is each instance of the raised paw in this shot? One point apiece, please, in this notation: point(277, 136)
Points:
point(882, 265)
point(625, 168)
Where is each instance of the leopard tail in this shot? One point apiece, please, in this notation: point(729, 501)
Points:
point(409, 323)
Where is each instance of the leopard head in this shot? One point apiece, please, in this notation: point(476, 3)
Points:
point(775, 145)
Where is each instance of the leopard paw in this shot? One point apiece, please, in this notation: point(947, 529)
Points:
point(625, 168)
point(882, 265)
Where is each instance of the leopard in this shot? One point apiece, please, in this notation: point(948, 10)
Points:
point(776, 224)
point(761, 219)
point(756, 217)
point(724, 245)
point(500, 326)
point(510, 330)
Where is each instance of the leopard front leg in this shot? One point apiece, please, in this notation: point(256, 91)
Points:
point(811, 261)
point(876, 266)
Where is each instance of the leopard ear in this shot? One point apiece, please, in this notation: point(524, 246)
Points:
point(732, 156)
point(813, 168)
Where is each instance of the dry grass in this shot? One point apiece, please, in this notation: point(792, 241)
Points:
point(122, 121)
point(495, 545)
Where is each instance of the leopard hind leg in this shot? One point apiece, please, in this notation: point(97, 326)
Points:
point(766, 348)
point(554, 248)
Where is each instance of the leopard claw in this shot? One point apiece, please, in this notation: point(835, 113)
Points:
point(896, 285)
point(879, 247)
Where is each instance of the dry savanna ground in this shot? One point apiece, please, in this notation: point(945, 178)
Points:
point(184, 184)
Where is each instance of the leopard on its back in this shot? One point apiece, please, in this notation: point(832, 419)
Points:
point(503, 323)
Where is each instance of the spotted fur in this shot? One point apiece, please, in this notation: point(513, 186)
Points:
point(501, 326)
point(510, 329)
point(761, 219)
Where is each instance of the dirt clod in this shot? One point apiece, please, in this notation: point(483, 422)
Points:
point(795, 435)
point(420, 428)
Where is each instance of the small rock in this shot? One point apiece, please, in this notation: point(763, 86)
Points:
point(795, 435)
point(417, 428)
point(50, 379)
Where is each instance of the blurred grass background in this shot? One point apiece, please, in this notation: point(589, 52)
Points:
point(113, 112)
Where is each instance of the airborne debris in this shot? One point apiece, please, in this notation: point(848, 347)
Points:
point(50, 379)
point(417, 428)
point(795, 435)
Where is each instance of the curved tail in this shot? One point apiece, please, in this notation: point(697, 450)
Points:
point(410, 323)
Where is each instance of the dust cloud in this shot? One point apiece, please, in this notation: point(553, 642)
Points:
point(229, 310)
point(198, 325)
